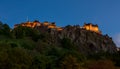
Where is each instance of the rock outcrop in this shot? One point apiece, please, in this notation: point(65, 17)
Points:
point(86, 41)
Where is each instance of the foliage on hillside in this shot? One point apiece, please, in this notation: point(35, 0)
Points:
point(27, 48)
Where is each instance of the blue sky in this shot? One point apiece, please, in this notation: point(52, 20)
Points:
point(105, 13)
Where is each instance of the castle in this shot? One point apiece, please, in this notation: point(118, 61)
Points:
point(38, 24)
point(89, 26)
point(92, 27)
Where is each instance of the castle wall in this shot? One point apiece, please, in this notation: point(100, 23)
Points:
point(45, 23)
point(91, 27)
point(33, 24)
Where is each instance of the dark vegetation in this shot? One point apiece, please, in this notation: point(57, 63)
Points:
point(27, 48)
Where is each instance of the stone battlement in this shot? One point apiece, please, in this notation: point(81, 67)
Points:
point(88, 26)
point(38, 24)
point(92, 27)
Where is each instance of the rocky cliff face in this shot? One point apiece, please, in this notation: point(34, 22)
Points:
point(86, 41)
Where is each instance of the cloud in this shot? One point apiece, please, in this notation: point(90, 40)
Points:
point(116, 39)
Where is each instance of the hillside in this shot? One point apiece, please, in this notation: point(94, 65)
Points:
point(43, 48)
point(86, 41)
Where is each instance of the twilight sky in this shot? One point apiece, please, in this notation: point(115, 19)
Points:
point(105, 13)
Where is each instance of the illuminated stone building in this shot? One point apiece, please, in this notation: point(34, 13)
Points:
point(92, 27)
point(38, 24)
point(29, 24)
point(48, 25)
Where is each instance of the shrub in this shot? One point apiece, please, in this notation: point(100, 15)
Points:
point(101, 64)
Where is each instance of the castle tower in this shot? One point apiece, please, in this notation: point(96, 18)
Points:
point(92, 27)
